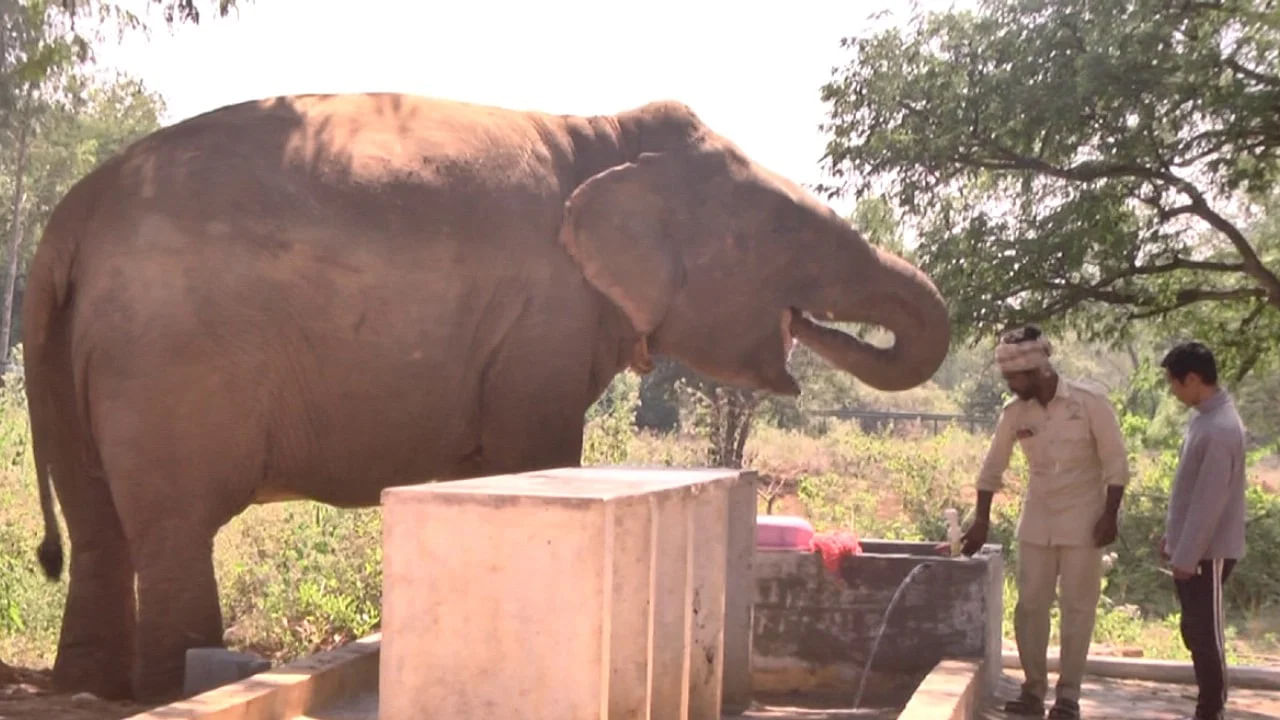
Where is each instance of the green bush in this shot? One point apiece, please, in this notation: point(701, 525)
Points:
point(299, 577)
point(30, 605)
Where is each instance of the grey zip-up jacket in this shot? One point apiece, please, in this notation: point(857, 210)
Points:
point(1206, 507)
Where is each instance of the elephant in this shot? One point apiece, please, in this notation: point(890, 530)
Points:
point(321, 296)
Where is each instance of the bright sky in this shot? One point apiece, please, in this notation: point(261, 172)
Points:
point(752, 72)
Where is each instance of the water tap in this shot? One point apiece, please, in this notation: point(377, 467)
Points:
point(954, 534)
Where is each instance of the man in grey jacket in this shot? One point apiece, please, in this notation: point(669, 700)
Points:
point(1204, 528)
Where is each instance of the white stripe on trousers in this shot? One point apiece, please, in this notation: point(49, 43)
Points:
point(1218, 632)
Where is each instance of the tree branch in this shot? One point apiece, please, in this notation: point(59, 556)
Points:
point(1086, 171)
point(1245, 366)
point(1252, 263)
point(1177, 263)
point(1191, 297)
point(1094, 170)
point(1254, 75)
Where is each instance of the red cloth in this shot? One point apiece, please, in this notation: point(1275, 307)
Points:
point(833, 546)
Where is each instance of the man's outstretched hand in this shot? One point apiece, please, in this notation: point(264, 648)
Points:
point(975, 537)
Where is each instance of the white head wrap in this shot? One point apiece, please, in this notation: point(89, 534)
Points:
point(1023, 356)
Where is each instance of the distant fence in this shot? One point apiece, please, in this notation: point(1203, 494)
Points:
point(876, 420)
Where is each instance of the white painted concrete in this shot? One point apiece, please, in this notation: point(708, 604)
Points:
point(581, 592)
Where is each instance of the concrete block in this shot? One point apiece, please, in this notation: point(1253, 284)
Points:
point(211, 667)
point(739, 596)
point(582, 592)
point(951, 691)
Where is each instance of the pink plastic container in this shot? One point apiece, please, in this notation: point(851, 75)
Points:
point(782, 532)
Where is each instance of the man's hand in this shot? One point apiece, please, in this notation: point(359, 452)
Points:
point(975, 537)
point(1183, 574)
point(1163, 549)
point(1105, 530)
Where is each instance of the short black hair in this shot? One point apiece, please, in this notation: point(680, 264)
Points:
point(1191, 357)
point(1026, 333)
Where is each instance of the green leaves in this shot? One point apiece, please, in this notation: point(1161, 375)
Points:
point(1075, 163)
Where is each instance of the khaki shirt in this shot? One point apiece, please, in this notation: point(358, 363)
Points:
point(1074, 450)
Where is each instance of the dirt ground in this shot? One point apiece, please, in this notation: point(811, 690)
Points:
point(27, 695)
point(1111, 699)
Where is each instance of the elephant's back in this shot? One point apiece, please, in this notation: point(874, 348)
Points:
point(387, 219)
point(335, 203)
point(381, 163)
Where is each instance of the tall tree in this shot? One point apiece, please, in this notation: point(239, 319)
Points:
point(44, 44)
point(1079, 162)
point(59, 143)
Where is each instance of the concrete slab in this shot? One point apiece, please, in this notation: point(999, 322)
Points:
point(951, 691)
point(361, 707)
point(365, 707)
point(211, 667)
point(289, 691)
point(799, 713)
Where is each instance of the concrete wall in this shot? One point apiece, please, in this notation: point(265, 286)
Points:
point(813, 631)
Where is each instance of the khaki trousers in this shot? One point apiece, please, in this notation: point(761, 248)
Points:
point(1040, 567)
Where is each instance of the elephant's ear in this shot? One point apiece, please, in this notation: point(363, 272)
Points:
point(618, 227)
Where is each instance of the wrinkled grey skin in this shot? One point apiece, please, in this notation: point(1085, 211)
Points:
point(319, 297)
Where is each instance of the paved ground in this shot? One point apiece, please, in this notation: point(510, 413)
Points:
point(794, 713)
point(366, 708)
point(1104, 699)
point(1108, 699)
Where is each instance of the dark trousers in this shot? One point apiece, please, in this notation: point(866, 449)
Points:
point(1204, 634)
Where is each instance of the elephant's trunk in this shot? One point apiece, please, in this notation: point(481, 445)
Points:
point(892, 294)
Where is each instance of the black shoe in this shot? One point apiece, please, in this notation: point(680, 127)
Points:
point(1065, 709)
point(1025, 706)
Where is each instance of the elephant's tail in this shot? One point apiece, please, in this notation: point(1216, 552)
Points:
point(40, 353)
point(47, 367)
point(50, 550)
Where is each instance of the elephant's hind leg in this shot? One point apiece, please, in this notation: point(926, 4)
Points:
point(178, 470)
point(177, 606)
point(95, 649)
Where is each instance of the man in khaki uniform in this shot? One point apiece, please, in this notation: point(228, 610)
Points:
point(1078, 470)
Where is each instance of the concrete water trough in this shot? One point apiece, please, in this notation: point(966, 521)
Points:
point(610, 593)
point(870, 633)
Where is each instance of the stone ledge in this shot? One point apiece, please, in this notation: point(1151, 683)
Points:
point(287, 691)
point(951, 691)
point(1162, 671)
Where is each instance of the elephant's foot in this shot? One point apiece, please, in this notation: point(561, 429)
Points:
point(161, 664)
point(641, 361)
point(85, 669)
